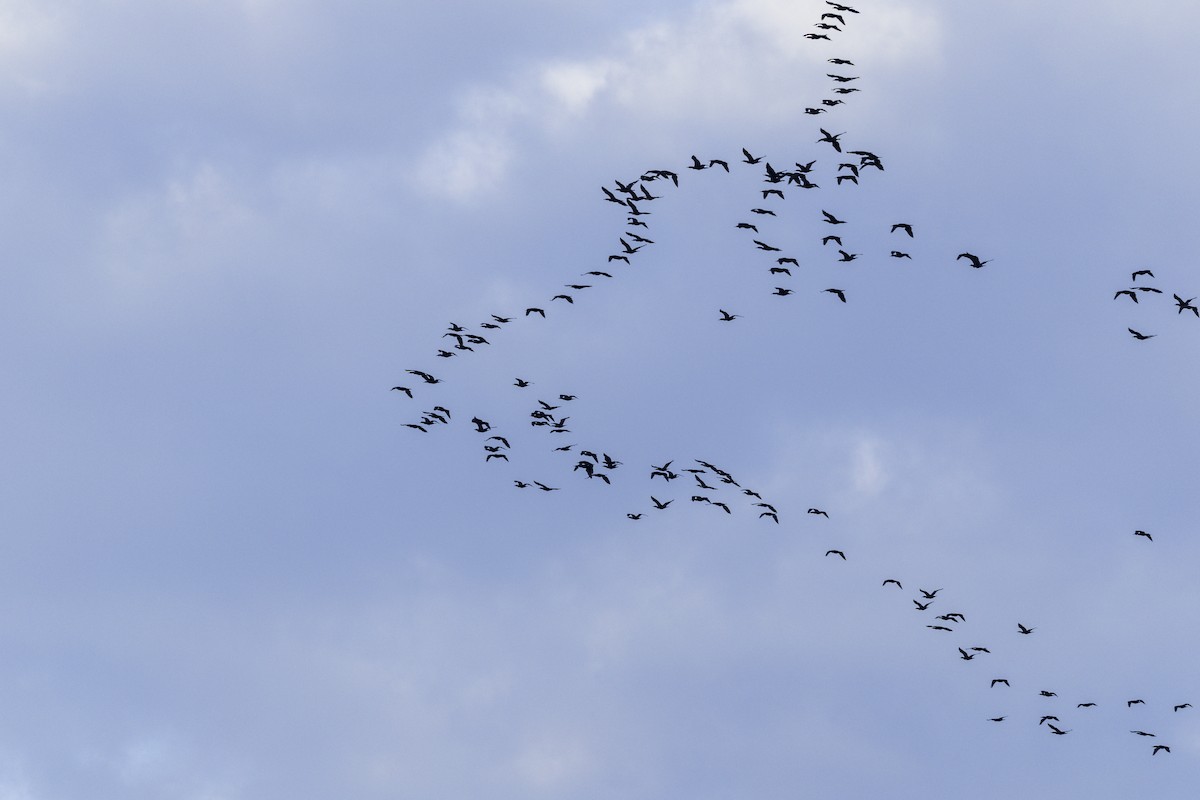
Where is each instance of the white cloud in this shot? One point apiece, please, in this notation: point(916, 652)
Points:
point(704, 69)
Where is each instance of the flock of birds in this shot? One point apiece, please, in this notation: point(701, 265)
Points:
point(702, 483)
point(1141, 289)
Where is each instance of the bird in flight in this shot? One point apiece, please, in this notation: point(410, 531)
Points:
point(425, 376)
point(1022, 629)
point(1000, 680)
point(892, 580)
point(1141, 336)
point(817, 511)
point(832, 220)
point(726, 316)
point(836, 553)
point(1158, 747)
point(404, 389)
point(904, 226)
point(840, 294)
point(1143, 533)
point(1185, 305)
point(1182, 706)
point(973, 259)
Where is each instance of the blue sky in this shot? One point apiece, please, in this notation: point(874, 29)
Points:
point(229, 570)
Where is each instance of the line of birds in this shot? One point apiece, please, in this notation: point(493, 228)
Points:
point(706, 479)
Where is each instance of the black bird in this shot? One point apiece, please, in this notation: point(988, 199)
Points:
point(634, 516)
point(414, 425)
point(726, 316)
point(1022, 629)
point(840, 294)
point(965, 655)
point(832, 220)
point(660, 504)
point(1142, 733)
point(1134, 277)
point(719, 162)
point(766, 247)
point(831, 138)
point(1141, 336)
point(973, 259)
point(1085, 705)
point(892, 580)
point(480, 425)
point(827, 239)
point(840, 61)
point(544, 487)
point(500, 439)
point(762, 211)
point(787, 260)
point(848, 257)
point(566, 297)
point(782, 292)
point(766, 192)
point(522, 383)
point(940, 628)
point(1143, 533)
point(404, 389)
point(599, 274)
point(1130, 292)
point(749, 159)
point(522, 484)
point(1185, 305)
point(836, 553)
point(817, 36)
point(840, 78)
point(898, 254)
point(817, 511)
point(1132, 703)
point(904, 226)
point(696, 164)
point(619, 258)
point(1058, 731)
point(996, 719)
point(425, 376)
point(1158, 747)
point(846, 90)
point(747, 226)
point(852, 178)
point(929, 595)
point(921, 606)
point(1045, 693)
point(490, 456)
point(529, 311)
point(815, 111)
point(1000, 680)
point(1182, 706)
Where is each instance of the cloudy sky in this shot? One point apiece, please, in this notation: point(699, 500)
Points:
point(230, 572)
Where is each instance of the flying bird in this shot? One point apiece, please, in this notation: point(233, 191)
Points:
point(973, 259)
point(832, 220)
point(840, 294)
point(1143, 533)
point(836, 553)
point(818, 511)
point(1141, 336)
point(904, 226)
point(726, 316)
point(1022, 629)
point(404, 389)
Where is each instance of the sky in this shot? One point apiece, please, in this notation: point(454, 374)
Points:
point(229, 570)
